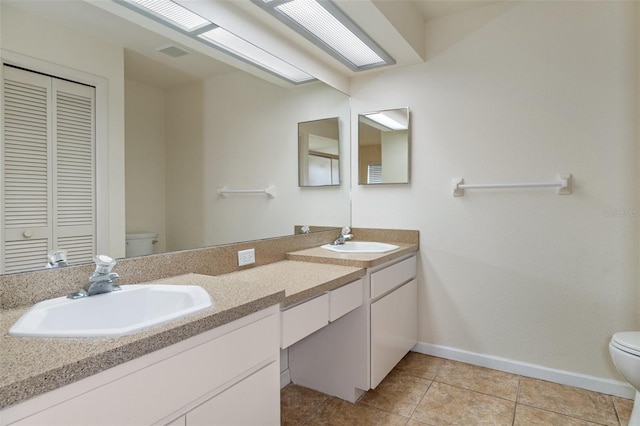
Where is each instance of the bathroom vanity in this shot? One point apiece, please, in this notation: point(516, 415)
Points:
point(347, 357)
point(343, 318)
point(206, 379)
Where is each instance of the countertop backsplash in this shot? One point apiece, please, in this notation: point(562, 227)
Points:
point(28, 288)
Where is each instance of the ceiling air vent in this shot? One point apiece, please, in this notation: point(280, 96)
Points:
point(173, 51)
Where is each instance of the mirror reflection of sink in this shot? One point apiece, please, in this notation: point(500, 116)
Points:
point(127, 311)
point(360, 247)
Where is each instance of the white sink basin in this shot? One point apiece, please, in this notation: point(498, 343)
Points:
point(127, 311)
point(360, 247)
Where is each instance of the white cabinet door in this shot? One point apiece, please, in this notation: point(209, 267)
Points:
point(384, 327)
point(394, 328)
point(407, 317)
point(47, 163)
point(253, 401)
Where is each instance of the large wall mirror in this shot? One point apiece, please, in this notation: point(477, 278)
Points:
point(319, 152)
point(191, 125)
point(384, 147)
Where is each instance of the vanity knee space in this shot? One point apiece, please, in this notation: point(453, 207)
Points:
point(354, 353)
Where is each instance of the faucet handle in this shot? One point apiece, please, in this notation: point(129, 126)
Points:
point(346, 230)
point(104, 264)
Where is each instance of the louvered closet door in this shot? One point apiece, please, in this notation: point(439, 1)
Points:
point(74, 182)
point(27, 172)
point(47, 170)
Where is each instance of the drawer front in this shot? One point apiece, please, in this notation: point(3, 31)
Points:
point(253, 401)
point(345, 299)
point(303, 319)
point(391, 277)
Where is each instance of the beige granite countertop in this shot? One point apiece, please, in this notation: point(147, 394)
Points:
point(32, 366)
point(358, 260)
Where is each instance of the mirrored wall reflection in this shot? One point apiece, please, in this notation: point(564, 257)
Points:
point(383, 147)
point(319, 152)
point(180, 130)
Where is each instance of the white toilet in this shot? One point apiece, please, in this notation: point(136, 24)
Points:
point(140, 244)
point(625, 352)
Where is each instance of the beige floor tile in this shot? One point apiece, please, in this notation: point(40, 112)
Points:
point(449, 405)
point(480, 379)
point(336, 412)
point(623, 408)
point(398, 393)
point(530, 416)
point(573, 402)
point(420, 365)
point(297, 403)
point(414, 422)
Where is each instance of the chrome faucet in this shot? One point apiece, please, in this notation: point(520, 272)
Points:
point(102, 280)
point(57, 259)
point(344, 235)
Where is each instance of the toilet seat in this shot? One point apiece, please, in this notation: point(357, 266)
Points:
point(627, 341)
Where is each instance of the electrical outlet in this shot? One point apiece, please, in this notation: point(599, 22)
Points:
point(246, 257)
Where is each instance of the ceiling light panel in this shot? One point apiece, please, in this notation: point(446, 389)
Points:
point(386, 121)
point(245, 50)
point(174, 13)
point(197, 27)
point(325, 25)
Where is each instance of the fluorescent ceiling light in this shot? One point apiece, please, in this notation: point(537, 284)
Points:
point(386, 121)
point(243, 49)
point(174, 13)
point(203, 30)
point(328, 27)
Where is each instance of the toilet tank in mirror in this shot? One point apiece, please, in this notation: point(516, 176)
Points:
point(384, 147)
point(319, 152)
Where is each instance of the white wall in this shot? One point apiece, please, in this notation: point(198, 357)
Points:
point(145, 172)
point(185, 167)
point(395, 152)
point(42, 40)
point(249, 140)
point(518, 92)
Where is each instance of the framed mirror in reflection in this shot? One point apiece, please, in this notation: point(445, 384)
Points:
point(384, 147)
point(319, 152)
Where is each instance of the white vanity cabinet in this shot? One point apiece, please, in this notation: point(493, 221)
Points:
point(394, 316)
point(354, 353)
point(228, 375)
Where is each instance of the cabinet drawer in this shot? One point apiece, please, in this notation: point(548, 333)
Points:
point(345, 299)
point(301, 320)
point(389, 278)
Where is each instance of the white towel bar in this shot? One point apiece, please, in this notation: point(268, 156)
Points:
point(563, 184)
point(269, 191)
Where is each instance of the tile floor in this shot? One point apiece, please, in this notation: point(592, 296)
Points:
point(425, 390)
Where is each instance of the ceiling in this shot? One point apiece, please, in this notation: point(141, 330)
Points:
point(433, 9)
point(398, 25)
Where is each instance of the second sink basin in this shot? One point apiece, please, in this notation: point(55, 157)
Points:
point(360, 247)
point(127, 311)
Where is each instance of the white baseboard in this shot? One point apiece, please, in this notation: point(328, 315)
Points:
point(582, 381)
